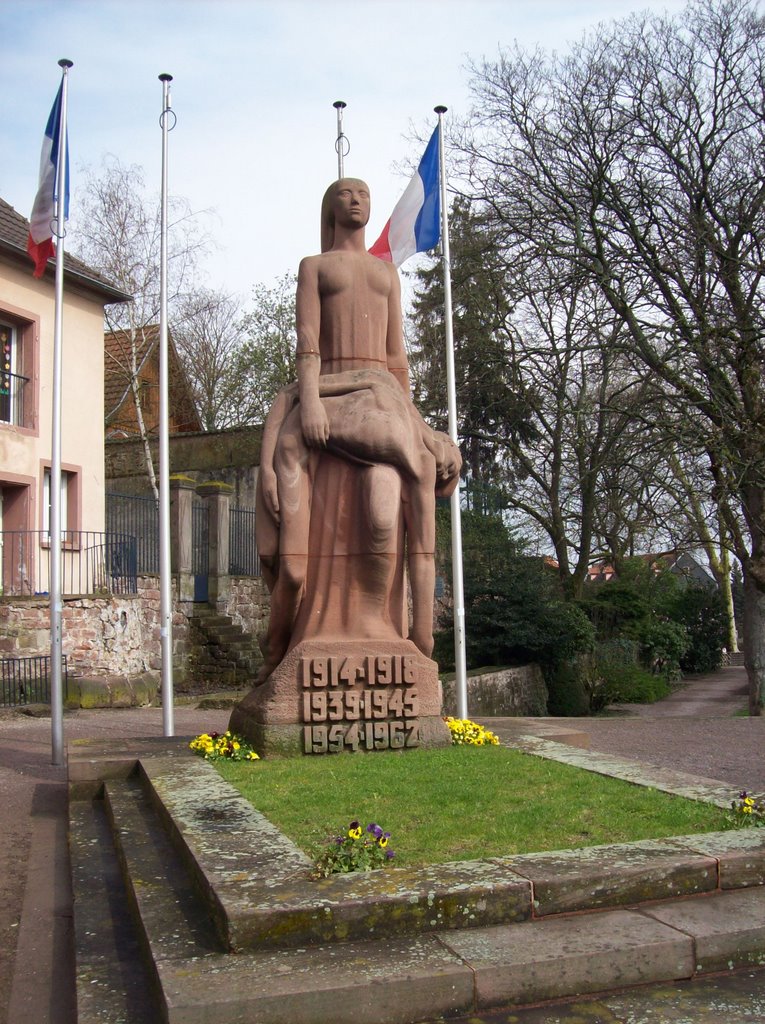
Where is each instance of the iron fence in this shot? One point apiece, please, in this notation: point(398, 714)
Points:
point(200, 550)
point(27, 680)
point(12, 397)
point(138, 517)
point(243, 557)
point(91, 563)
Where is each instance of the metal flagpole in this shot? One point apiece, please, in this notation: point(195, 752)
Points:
point(165, 591)
point(54, 525)
point(458, 598)
point(342, 146)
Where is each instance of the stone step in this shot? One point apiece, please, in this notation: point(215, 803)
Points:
point(219, 641)
point(173, 919)
point(113, 984)
point(206, 873)
point(430, 977)
point(400, 980)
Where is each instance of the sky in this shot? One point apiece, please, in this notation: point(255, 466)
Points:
point(254, 82)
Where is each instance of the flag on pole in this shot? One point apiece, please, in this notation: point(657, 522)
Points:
point(40, 243)
point(415, 224)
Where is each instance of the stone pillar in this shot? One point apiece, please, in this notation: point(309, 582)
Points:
point(181, 497)
point(217, 496)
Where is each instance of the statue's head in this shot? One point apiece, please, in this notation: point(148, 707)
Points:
point(347, 198)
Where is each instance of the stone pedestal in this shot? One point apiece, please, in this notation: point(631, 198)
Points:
point(352, 695)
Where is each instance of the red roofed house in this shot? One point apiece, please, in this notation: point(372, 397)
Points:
point(27, 307)
point(120, 414)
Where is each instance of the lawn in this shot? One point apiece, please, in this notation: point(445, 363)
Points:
point(461, 803)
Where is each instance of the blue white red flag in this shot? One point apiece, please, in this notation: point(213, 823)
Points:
point(40, 244)
point(415, 224)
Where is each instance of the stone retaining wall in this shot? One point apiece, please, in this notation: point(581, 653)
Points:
point(508, 692)
point(248, 603)
point(119, 635)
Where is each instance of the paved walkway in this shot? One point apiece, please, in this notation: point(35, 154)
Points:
point(36, 951)
point(694, 730)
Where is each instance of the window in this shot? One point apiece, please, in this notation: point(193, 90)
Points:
point(11, 382)
point(69, 502)
point(19, 334)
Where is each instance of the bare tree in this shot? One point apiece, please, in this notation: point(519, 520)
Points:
point(637, 160)
point(208, 338)
point(116, 230)
point(265, 360)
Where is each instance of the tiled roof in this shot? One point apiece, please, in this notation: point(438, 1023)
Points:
point(14, 231)
point(117, 362)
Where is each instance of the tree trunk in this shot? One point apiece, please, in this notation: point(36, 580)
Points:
point(754, 641)
point(726, 593)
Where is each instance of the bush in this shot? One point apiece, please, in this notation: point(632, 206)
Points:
point(702, 613)
point(626, 684)
point(514, 612)
point(568, 687)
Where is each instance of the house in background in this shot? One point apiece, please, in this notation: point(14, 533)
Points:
point(27, 307)
point(682, 564)
point(120, 415)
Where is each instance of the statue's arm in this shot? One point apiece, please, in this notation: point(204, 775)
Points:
point(313, 417)
point(267, 472)
point(398, 364)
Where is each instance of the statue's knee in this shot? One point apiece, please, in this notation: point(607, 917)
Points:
point(383, 502)
point(290, 451)
point(292, 571)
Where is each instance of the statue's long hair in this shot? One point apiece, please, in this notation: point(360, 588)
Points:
point(327, 214)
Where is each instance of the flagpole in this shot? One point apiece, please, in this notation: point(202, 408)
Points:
point(165, 582)
point(460, 664)
point(341, 141)
point(54, 525)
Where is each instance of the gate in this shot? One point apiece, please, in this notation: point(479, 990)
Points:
point(200, 550)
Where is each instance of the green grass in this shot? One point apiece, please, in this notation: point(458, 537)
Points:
point(461, 803)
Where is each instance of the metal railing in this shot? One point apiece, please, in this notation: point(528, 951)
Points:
point(27, 680)
point(12, 398)
point(137, 517)
point(91, 563)
point(243, 557)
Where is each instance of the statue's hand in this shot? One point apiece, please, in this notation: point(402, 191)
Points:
point(314, 424)
point(270, 492)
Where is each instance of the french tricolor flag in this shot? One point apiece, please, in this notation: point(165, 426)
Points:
point(415, 224)
point(40, 243)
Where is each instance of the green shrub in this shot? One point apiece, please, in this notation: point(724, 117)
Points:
point(626, 684)
point(568, 686)
point(514, 612)
point(701, 611)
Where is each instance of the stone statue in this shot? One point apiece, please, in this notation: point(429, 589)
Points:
point(351, 400)
point(345, 503)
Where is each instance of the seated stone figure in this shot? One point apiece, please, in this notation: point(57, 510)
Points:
point(349, 469)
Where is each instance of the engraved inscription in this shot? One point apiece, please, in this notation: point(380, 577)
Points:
point(359, 703)
point(331, 739)
point(380, 670)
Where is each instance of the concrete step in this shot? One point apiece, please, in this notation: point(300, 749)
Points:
point(220, 643)
point(113, 984)
point(205, 873)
